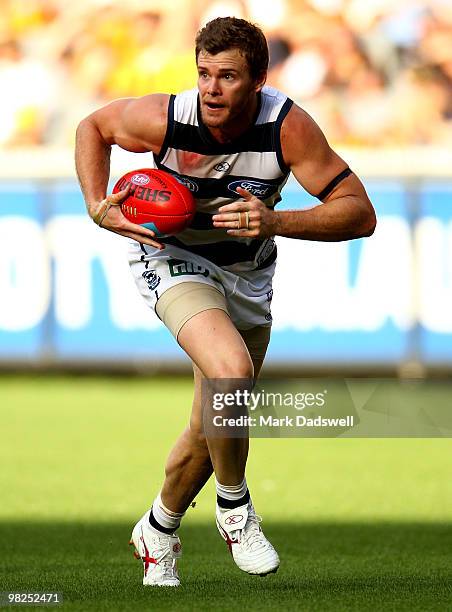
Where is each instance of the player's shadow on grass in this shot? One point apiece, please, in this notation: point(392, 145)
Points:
point(380, 566)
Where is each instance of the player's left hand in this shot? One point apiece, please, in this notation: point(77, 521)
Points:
point(262, 222)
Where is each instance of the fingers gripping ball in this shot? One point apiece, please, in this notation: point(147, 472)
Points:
point(156, 200)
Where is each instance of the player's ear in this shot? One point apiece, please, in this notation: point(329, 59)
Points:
point(260, 81)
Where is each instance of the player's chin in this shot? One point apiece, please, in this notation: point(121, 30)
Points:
point(215, 119)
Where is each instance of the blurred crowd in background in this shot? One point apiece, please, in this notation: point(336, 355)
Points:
point(373, 72)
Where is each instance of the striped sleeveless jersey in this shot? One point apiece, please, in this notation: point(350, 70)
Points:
point(213, 171)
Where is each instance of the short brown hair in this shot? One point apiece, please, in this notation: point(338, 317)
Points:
point(226, 33)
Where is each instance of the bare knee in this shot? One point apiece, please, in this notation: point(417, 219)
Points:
point(236, 366)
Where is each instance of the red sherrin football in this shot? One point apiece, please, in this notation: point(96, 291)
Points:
point(156, 200)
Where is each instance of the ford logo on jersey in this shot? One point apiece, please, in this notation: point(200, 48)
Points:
point(260, 190)
point(187, 183)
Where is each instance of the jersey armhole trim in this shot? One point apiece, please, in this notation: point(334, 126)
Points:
point(169, 130)
point(277, 132)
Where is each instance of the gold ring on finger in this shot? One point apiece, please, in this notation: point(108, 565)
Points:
point(247, 220)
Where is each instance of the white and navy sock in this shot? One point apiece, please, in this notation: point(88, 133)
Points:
point(229, 497)
point(163, 520)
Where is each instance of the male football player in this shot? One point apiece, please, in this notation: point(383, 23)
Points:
point(233, 140)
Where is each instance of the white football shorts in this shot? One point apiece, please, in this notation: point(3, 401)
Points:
point(247, 297)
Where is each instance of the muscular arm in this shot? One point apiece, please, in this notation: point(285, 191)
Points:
point(346, 211)
point(137, 125)
point(92, 163)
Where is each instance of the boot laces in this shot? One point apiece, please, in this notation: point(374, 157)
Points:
point(167, 562)
point(168, 565)
point(251, 534)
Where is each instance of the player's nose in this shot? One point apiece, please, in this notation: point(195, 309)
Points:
point(213, 89)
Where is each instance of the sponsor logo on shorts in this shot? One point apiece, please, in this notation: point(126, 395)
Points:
point(260, 190)
point(152, 279)
point(265, 252)
point(183, 180)
point(179, 267)
point(140, 179)
point(222, 167)
point(268, 316)
point(269, 295)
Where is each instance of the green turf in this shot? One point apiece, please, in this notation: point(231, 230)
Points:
point(398, 566)
point(359, 524)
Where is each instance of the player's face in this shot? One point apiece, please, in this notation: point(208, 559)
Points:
point(227, 91)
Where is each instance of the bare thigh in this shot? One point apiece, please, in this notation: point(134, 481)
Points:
point(213, 343)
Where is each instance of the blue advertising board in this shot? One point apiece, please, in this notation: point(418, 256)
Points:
point(66, 293)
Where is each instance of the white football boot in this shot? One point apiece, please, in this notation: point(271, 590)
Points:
point(159, 553)
point(247, 544)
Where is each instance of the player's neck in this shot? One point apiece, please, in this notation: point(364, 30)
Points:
point(240, 124)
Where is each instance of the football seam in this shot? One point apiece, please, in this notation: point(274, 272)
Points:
point(182, 195)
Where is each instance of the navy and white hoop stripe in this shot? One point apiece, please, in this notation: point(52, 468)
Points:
point(213, 171)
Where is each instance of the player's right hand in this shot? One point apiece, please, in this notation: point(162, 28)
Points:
point(108, 215)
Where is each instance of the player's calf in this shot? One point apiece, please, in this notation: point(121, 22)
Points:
point(187, 469)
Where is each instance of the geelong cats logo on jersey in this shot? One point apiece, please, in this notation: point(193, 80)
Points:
point(222, 167)
point(187, 182)
point(258, 189)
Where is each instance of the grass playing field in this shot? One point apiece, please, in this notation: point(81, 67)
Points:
point(360, 524)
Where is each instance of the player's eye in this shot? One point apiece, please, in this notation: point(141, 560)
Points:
point(228, 76)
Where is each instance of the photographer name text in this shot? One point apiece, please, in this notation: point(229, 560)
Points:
point(299, 420)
